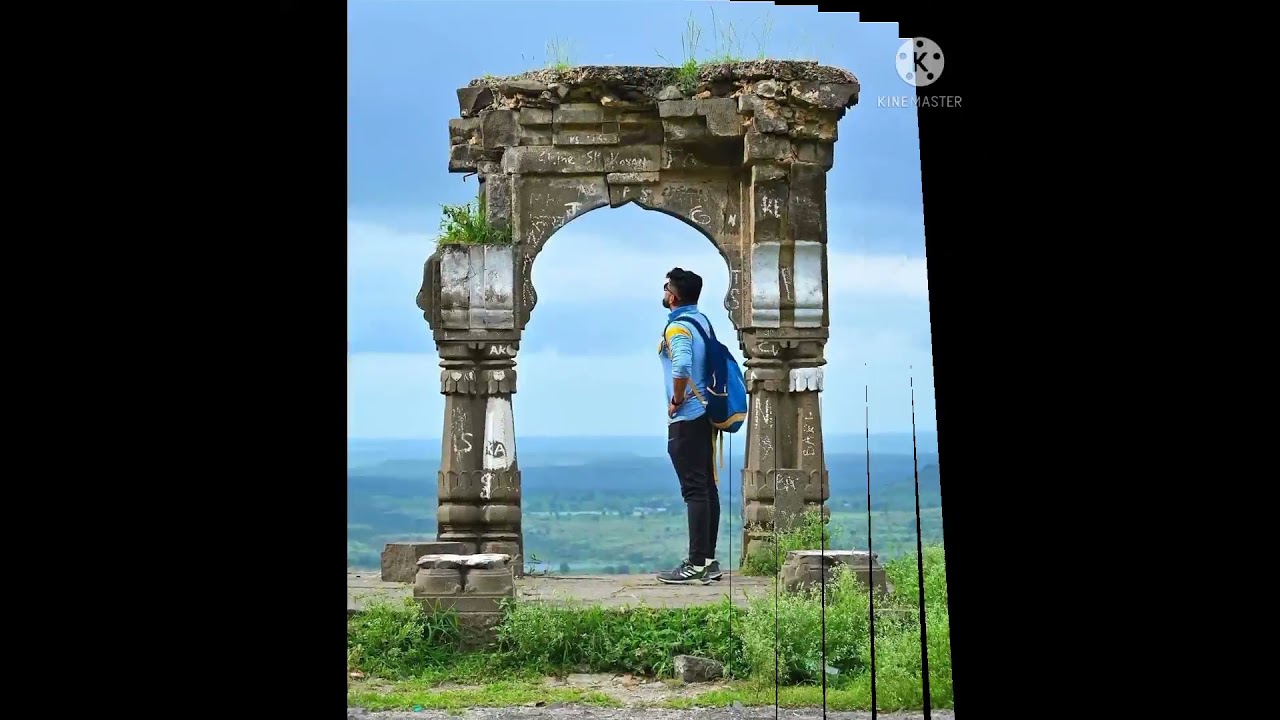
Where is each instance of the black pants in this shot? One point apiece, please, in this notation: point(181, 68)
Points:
point(689, 445)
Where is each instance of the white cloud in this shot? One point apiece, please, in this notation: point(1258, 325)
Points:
point(879, 319)
point(398, 394)
point(386, 264)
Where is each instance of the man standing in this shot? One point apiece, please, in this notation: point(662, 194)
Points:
point(689, 431)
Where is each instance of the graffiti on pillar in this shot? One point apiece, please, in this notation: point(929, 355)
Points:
point(499, 434)
point(461, 436)
point(808, 431)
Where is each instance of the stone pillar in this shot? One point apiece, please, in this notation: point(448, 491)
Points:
point(784, 326)
point(467, 298)
point(479, 480)
point(785, 471)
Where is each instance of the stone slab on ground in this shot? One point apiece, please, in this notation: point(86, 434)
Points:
point(400, 559)
point(594, 713)
point(605, 590)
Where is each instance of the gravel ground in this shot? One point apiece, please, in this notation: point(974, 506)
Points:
point(575, 713)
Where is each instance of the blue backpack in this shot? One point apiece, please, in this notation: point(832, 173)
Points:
point(726, 388)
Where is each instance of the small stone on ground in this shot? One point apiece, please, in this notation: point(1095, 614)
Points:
point(694, 669)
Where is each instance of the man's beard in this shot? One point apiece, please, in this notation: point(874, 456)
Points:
point(665, 305)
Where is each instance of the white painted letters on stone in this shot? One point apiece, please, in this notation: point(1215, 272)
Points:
point(499, 435)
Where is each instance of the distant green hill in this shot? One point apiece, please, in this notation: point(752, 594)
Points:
point(628, 510)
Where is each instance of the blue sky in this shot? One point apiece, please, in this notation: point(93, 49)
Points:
point(599, 279)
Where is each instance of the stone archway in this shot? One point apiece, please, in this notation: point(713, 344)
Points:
point(741, 154)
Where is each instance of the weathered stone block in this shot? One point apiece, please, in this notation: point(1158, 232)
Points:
point(478, 630)
point(759, 147)
point(823, 95)
point(496, 581)
point(722, 116)
point(807, 212)
point(701, 157)
point(637, 158)
point(536, 135)
point(553, 160)
point(769, 206)
point(814, 126)
point(817, 153)
point(684, 130)
point(534, 116)
point(583, 113)
point(641, 134)
point(767, 115)
point(497, 190)
point(437, 582)
point(475, 293)
point(461, 604)
point(463, 130)
point(767, 88)
point(511, 88)
point(632, 178)
point(638, 118)
point(510, 549)
point(693, 669)
point(466, 158)
point(400, 559)
point(578, 137)
point(621, 194)
point(677, 109)
point(670, 92)
point(471, 100)
point(498, 128)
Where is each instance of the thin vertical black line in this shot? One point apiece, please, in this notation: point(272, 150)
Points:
point(871, 594)
point(777, 578)
point(729, 660)
point(924, 635)
point(822, 553)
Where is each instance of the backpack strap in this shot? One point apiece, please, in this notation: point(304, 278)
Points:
point(698, 327)
point(705, 343)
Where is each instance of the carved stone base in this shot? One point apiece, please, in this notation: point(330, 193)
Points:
point(473, 586)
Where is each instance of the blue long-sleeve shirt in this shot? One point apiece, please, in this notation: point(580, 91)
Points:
point(683, 355)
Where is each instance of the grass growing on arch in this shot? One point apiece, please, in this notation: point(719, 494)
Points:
point(727, 48)
point(468, 224)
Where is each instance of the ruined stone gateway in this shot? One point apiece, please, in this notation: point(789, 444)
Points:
point(740, 154)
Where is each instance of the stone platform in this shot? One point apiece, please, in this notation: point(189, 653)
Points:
point(604, 590)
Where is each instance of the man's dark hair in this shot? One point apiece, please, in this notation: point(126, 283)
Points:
point(687, 285)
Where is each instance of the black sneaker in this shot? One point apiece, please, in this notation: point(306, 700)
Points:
point(713, 570)
point(686, 574)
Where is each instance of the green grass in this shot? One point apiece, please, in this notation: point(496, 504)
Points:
point(469, 225)
point(810, 534)
point(425, 695)
point(410, 653)
point(726, 48)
